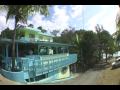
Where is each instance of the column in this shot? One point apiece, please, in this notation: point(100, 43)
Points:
point(67, 49)
point(7, 50)
point(56, 50)
point(38, 49)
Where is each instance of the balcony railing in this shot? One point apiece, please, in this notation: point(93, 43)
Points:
point(41, 63)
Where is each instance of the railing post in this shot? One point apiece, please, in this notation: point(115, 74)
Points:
point(28, 70)
point(6, 59)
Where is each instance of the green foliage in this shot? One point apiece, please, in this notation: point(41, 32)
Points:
point(89, 48)
point(55, 32)
point(42, 30)
point(7, 33)
point(88, 45)
point(107, 43)
point(31, 25)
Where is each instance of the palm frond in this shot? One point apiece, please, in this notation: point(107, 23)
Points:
point(22, 11)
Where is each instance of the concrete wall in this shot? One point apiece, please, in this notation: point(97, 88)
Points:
point(14, 76)
point(67, 74)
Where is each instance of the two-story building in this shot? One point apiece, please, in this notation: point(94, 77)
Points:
point(38, 58)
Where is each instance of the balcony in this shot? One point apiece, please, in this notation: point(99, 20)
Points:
point(35, 39)
point(41, 64)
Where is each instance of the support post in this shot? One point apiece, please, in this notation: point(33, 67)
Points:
point(17, 50)
point(7, 50)
point(67, 49)
point(56, 50)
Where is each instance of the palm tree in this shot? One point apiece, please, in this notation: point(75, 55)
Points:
point(20, 14)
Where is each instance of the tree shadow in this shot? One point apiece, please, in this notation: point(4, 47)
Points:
point(114, 68)
point(101, 66)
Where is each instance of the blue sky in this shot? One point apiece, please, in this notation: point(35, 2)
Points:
point(63, 16)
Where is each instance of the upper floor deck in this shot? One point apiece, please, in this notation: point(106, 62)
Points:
point(33, 34)
point(46, 55)
point(40, 63)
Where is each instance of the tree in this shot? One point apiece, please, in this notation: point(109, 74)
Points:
point(55, 32)
point(118, 19)
point(107, 42)
point(7, 33)
point(20, 14)
point(42, 30)
point(99, 30)
point(67, 36)
point(89, 48)
point(31, 25)
point(117, 33)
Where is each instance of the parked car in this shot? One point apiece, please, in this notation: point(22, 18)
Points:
point(116, 63)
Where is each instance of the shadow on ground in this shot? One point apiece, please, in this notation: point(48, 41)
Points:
point(102, 66)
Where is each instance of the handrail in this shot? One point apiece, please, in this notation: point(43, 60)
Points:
point(45, 63)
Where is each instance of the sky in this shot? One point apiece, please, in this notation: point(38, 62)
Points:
point(77, 16)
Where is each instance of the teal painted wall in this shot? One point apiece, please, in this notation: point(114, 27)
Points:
point(14, 76)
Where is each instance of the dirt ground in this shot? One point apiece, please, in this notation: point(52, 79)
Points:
point(109, 77)
point(104, 76)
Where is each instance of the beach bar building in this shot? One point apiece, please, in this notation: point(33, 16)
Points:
point(38, 58)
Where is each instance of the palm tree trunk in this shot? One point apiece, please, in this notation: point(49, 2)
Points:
point(106, 57)
point(13, 45)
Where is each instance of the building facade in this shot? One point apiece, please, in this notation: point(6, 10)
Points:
point(38, 58)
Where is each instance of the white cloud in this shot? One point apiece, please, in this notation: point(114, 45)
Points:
point(2, 23)
point(76, 10)
point(105, 17)
point(62, 15)
point(58, 21)
point(11, 23)
point(60, 18)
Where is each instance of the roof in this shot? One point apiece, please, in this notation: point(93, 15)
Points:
point(7, 41)
point(38, 31)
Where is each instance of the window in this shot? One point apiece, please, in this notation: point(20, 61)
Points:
point(43, 50)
